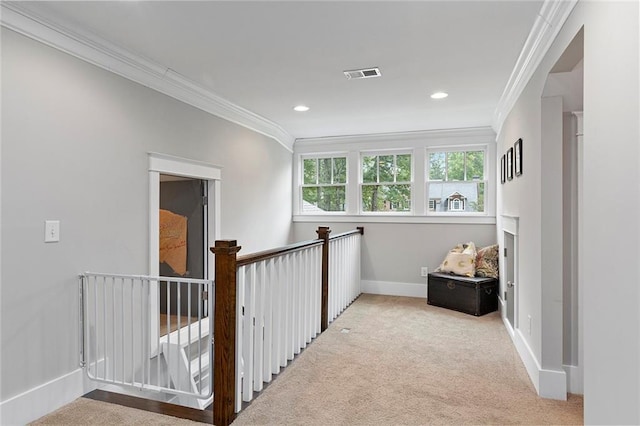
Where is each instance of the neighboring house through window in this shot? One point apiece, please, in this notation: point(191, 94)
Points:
point(456, 202)
point(456, 181)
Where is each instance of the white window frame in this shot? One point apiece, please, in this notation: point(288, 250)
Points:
point(411, 183)
point(484, 179)
point(417, 143)
point(300, 181)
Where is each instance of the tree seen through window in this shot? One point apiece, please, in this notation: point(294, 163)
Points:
point(386, 183)
point(324, 184)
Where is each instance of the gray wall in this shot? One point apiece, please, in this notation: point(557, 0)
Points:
point(610, 294)
point(394, 252)
point(570, 295)
point(75, 140)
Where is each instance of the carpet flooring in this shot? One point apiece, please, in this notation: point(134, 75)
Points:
point(385, 361)
point(405, 362)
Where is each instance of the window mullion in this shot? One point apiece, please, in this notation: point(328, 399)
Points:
point(395, 168)
point(446, 166)
point(333, 164)
point(464, 164)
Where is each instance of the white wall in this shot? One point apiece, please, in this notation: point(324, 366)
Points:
point(75, 140)
point(551, 234)
point(392, 253)
point(570, 293)
point(569, 85)
point(521, 197)
point(609, 244)
point(611, 154)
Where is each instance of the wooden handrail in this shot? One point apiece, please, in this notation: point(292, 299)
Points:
point(358, 230)
point(248, 259)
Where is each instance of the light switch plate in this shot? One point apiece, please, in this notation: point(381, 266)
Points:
point(51, 231)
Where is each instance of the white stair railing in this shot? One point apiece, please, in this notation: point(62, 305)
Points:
point(127, 344)
point(279, 298)
point(279, 308)
point(344, 272)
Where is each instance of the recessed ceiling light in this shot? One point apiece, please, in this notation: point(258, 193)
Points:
point(301, 108)
point(439, 95)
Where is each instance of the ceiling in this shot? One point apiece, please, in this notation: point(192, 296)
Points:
point(268, 56)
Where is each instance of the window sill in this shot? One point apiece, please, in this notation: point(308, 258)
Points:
point(478, 220)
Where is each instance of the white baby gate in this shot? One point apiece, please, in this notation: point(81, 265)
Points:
point(127, 342)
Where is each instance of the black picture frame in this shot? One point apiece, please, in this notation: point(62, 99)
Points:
point(517, 161)
point(510, 164)
point(503, 169)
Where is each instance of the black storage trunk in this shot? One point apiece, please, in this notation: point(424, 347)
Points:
point(475, 296)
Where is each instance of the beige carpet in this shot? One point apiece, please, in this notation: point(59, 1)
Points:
point(405, 362)
point(402, 362)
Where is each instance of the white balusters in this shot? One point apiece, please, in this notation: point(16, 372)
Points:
point(279, 305)
point(280, 299)
point(344, 273)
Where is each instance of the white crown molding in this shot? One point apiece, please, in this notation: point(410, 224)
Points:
point(103, 54)
point(549, 21)
point(399, 137)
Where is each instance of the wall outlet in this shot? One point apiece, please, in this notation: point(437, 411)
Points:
point(424, 271)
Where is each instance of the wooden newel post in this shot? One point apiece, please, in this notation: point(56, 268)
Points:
point(323, 234)
point(224, 351)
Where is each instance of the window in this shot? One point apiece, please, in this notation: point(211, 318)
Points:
point(421, 177)
point(457, 204)
point(386, 183)
point(324, 184)
point(456, 181)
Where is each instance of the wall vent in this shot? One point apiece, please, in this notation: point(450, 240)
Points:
point(364, 73)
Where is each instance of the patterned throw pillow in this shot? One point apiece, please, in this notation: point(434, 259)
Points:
point(461, 260)
point(487, 262)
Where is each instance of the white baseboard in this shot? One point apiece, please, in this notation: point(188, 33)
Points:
point(44, 399)
point(390, 288)
point(502, 308)
point(528, 358)
point(575, 382)
point(553, 384)
point(550, 384)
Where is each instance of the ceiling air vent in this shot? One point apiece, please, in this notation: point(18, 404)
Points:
point(365, 73)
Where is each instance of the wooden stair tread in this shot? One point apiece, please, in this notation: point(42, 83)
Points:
point(195, 363)
point(183, 333)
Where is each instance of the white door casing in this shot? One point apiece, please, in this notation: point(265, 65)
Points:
point(176, 166)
